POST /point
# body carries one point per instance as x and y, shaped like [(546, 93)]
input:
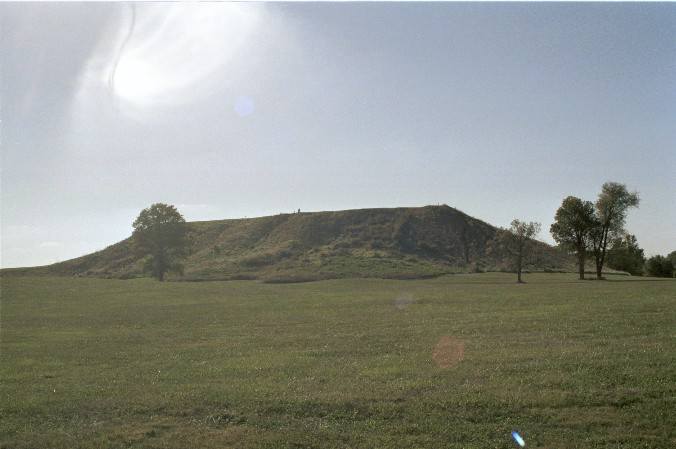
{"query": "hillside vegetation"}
[(385, 243)]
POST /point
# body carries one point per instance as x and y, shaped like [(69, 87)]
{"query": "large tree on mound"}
[(160, 234), (572, 228), (517, 242), (611, 213)]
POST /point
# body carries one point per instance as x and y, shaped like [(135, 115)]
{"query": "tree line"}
[(589, 230)]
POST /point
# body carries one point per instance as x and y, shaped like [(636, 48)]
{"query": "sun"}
[(138, 81), (168, 53)]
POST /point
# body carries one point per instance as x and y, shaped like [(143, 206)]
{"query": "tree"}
[(517, 242), (574, 222), (160, 233), (611, 213), (659, 266), (624, 254), (672, 257)]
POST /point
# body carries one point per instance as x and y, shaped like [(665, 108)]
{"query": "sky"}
[(231, 110)]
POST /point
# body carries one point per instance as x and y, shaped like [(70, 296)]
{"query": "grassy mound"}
[(399, 243)]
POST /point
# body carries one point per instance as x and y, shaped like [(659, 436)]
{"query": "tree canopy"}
[(160, 234), (573, 223), (625, 255), (672, 257), (610, 215), (660, 266)]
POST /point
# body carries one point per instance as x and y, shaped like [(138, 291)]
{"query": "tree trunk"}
[(601, 256), (160, 265), (518, 268), (580, 262)]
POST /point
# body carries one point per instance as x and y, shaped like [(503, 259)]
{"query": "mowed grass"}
[(92, 363)]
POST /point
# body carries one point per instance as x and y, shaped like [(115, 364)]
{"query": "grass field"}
[(338, 364)]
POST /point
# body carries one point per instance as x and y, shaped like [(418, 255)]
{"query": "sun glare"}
[(168, 54)]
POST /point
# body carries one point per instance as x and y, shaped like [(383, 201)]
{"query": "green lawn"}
[(338, 364)]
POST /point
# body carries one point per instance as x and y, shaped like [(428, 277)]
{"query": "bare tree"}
[(517, 242)]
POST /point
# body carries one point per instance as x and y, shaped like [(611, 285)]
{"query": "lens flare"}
[(518, 438), (244, 106)]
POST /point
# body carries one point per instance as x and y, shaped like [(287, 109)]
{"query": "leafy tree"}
[(660, 266), (625, 254), (517, 242), (611, 213), (574, 222), (672, 257), (160, 233)]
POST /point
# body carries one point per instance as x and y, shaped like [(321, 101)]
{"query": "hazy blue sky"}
[(233, 110)]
